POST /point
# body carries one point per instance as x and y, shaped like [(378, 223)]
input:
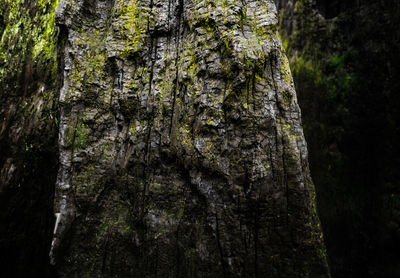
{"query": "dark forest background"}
[(345, 59)]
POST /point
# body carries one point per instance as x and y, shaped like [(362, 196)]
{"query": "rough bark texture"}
[(181, 151), (181, 147)]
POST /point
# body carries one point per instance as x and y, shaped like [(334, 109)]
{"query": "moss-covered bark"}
[(181, 146), (181, 151)]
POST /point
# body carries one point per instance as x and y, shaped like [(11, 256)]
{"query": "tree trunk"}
[(181, 148)]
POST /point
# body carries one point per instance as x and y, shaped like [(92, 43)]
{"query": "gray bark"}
[(181, 147)]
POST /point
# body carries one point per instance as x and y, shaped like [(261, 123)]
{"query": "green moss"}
[(285, 70), (133, 22), (287, 97), (27, 40), (81, 136)]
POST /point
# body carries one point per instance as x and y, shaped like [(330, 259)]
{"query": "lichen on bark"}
[(181, 147)]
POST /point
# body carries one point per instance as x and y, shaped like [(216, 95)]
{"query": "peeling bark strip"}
[(181, 147)]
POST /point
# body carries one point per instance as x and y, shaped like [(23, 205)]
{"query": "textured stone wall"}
[(181, 147)]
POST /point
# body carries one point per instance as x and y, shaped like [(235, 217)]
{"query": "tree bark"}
[(181, 149)]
